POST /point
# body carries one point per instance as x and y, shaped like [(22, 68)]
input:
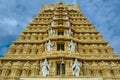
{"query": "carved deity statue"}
[(52, 23), (22, 36), (95, 68), (19, 49), (69, 32), (87, 69), (54, 17), (68, 23), (27, 37), (34, 49), (45, 36), (15, 69), (40, 36), (26, 69), (76, 68), (26, 49), (45, 68), (35, 68), (115, 69), (66, 17), (40, 48), (72, 46), (6, 69), (12, 49), (49, 46), (105, 69), (51, 32), (34, 36)]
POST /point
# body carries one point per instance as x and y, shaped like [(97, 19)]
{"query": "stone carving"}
[(105, 69), (51, 32), (65, 13), (80, 49), (67, 18), (6, 69), (45, 68), (40, 48), (95, 48), (103, 51), (16, 69), (72, 46), (80, 36), (22, 36), (69, 32), (115, 69), (19, 49), (45, 36), (26, 49), (86, 48), (109, 49), (27, 37), (54, 17), (99, 37), (12, 49), (52, 23), (87, 36), (87, 69), (1, 68), (40, 36), (95, 68), (26, 69), (76, 68), (49, 46), (75, 35), (68, 23), (34, 36), (93, 37), (34, 49), (35, 68)]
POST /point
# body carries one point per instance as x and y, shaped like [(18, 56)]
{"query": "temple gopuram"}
[(60, 44)]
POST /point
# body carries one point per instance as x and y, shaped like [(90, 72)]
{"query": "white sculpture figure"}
[(65, 12), (68, 23), (72, 46), (54, 17), (51, 32), (52, 24), (67, 18), (49, 46), (76, 68), (70, 33), (45, 68)]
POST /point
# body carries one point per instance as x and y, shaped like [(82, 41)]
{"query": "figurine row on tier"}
[(51, 45), (37, 68)]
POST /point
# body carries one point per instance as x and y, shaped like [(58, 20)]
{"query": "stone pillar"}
[(86, 69), (70, 68), (40, 72), (67, 68), (52, 68)]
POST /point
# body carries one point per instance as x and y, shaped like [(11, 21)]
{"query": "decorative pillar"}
[(53, 68), (70, 68)]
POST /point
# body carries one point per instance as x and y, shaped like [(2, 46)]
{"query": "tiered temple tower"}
[(60, 43)]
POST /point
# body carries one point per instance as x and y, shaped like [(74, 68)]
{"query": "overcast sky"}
[(15, 15)]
